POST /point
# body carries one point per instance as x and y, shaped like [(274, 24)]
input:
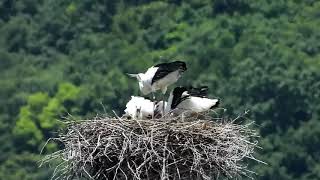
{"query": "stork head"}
[(177, 95), (179, 91)]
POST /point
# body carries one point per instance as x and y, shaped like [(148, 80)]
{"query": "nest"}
[(169, 148)]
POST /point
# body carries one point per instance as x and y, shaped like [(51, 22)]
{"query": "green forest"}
[(70, 57)]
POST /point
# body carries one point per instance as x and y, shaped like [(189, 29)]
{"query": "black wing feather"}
[(198, 92), (191, 91), (177, 99), (165, 68)]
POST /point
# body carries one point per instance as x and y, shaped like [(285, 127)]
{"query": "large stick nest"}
[(171, 148)]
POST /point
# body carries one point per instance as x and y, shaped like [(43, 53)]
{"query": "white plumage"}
[(195, 104), (182, 100), (139, 108), (145, 80)]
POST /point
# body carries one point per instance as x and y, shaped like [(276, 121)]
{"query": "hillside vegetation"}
[(60, 57)]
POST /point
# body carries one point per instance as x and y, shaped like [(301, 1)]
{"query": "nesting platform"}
[(168, 148)]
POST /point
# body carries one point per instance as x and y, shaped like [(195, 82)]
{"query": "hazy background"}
[(71, 56)]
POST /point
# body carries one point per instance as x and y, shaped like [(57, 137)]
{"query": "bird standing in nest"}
[(159, 77)]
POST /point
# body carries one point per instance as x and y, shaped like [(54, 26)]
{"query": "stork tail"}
[(133, 75)]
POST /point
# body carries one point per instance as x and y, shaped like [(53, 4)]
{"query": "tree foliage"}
[(59, 57)]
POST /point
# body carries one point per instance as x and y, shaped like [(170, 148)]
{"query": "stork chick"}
[(139, 108)]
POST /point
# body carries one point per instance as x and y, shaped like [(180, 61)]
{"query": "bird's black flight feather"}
[(191, 91), (198, 92), (177, 96), (165, 68)]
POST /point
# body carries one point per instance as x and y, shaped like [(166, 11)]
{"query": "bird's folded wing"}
[(177, 100), (164, 69)]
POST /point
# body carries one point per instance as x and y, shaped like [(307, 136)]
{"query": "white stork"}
[(160, 76), (190, 99), (139, 108)]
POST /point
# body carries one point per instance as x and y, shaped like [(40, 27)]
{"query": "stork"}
[(160, 76), (139, 108), (190, 99)]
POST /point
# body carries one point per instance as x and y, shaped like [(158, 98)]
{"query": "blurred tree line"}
[(60, 57)]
